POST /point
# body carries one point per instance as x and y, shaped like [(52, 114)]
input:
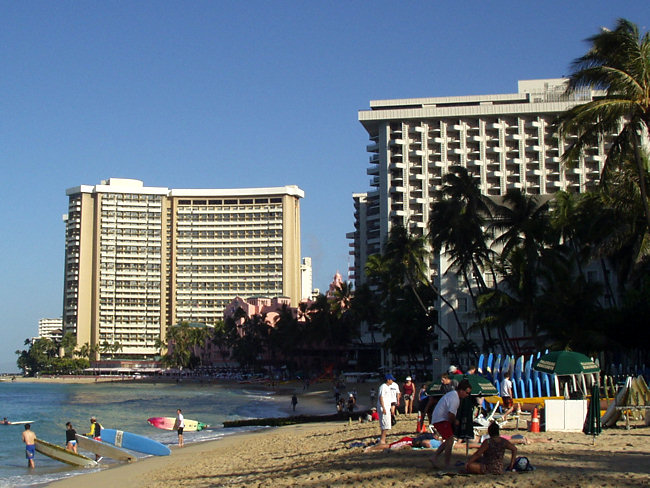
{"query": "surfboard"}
[(134, 442), (519, 367), (19, 422), (522, 388), (529, 389), (103, 449), (496, 367), (167, 423), (547, 385), (528, 368), (556, 381), (61, 454), (611, 415), (538, 388), (490, 359), (479, 367)]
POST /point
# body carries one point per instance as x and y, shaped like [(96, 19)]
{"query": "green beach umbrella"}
[(480, 385), (465, 417), (593, 426), (565, 363)]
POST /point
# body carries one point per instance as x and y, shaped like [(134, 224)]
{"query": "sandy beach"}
[(322, 455)]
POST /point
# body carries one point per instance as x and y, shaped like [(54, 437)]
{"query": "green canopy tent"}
[(480, 385), (567, 363)]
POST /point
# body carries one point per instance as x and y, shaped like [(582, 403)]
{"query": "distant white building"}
[(306, 279), (50, 328)]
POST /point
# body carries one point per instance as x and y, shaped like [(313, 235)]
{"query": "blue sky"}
[(235, 94)]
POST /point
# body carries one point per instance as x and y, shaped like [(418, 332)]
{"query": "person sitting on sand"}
[(488, 459)]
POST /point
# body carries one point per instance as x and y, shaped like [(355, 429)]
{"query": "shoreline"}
[(331, 454), (328, 454)]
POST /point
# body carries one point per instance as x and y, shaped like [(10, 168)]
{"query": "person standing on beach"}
[(444, 419), (30, 448), (383, 406), (179, 425), (70, 438), (506, 395), (409, 395), (294, 401)]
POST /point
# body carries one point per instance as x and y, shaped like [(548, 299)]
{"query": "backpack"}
[(522, 464)]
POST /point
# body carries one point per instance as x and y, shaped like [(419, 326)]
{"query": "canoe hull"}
[(61, 454), (103, 449)]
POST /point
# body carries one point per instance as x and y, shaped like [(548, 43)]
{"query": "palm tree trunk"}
[(642, 174), (608, 284)]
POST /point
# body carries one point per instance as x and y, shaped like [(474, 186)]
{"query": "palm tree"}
[(407, 256), (456, 227), (619, 63)]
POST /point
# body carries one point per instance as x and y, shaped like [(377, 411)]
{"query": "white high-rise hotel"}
[(139, 259), (505, 141)]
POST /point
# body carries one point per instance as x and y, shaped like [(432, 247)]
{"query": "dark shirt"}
[(70, 435)]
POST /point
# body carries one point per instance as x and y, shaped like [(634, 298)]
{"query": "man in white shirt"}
[(179, 425), (444, 419), (383, 407), (397, 396)]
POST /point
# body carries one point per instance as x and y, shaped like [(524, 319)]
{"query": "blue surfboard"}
[(547, 385), (496, 367), (531, 391), (479, 368), (529, 368), (522, 388), (515, 390), (134, 442), (519, 367), (505, 366), (538, 387), (489, 363)]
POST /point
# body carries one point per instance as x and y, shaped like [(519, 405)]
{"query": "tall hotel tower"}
[(505, 141), (139, 259)]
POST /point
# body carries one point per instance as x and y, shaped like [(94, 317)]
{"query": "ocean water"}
[(123, 406)]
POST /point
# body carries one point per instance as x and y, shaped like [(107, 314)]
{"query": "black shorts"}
[(180, 431)]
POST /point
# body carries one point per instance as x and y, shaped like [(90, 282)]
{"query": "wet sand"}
[(331, 455)]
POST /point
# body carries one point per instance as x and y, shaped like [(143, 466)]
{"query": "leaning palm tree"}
[(619, 63)]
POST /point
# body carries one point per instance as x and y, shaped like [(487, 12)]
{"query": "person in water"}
[(4, 421), (70, 438), (95, 433), (29, 438)]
